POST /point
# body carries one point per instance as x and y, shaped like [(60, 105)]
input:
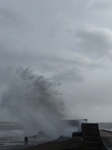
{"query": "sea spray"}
[(33, 100)]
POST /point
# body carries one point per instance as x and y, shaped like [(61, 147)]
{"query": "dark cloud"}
[(94, 42), (71, 75), (9, 17)]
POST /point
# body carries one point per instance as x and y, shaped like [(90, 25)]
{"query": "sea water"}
[(12, 136)]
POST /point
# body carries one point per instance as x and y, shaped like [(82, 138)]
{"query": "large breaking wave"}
[(34, 101)]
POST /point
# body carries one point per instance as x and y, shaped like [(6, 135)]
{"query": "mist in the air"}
[(34, 101)]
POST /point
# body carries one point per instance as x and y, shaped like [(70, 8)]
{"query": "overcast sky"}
[(69, 41)]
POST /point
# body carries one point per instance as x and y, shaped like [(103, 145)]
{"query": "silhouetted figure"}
[(26, 140)]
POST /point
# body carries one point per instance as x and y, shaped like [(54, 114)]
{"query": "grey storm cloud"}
[(70, 75), (10, 17), (15, 38), (66, 41), (95, 42)]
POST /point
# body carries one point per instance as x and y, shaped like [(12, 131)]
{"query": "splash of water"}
[(33, 100)]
